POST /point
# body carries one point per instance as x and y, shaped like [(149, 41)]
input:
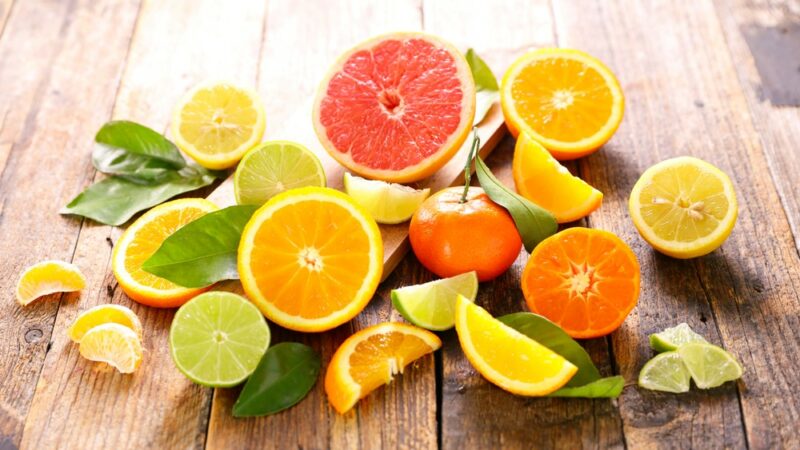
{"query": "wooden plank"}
[(80, 404), (5, 10), (48, 107), (684, 98)]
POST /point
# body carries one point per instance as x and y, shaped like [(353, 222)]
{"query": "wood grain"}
[(5, 10)]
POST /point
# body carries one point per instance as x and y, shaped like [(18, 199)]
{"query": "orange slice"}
[(506, 357), (370, 358), (310, 259), (544, 181), (142, 239), (565, 99), (584, 280), (48, 277)]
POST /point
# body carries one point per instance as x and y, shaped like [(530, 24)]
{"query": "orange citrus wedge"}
[(565, 99), (142, 239), (310, 259), (544, 181), (370, 358), (48, 277), (506, 357)]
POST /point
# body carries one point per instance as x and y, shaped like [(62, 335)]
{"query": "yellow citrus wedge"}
[(565, 99), (142, 239), (310, 258), (543, 180), (370, 358), (48, 277), (104, 314), (217, 123), (684, 207), (113, 344), (506, 357)]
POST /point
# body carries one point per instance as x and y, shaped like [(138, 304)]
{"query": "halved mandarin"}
[(370, 358), (584, 280), (310, 259)]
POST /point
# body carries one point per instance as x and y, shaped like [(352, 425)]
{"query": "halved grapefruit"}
[(396, 107)]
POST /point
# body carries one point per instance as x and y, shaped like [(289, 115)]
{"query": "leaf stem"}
[(473, 151)]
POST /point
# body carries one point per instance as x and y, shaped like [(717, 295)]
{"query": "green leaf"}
[(285, 375), (140, 140), (487, 91), (133, 167), (553, 337), (203, 251), (610, 387), (534, 223)]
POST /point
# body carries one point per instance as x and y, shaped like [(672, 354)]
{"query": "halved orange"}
[(310, 259), (584, 280), (544, 181), (370, 358), (565, 99), (142, 239)]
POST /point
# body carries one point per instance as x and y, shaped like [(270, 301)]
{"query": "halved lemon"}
[(370, 358), (104, 314), (543, 180), (684, 207), (114, 344), (310, 258), (48, 277), (565, 99), (142, 239), (506, 357), (217, 123)]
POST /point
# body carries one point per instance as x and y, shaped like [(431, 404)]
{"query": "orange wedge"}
[(565, 99), (310, 259), (370, 358), (142, 239), (544, 181), (48, 277), (506, 357)]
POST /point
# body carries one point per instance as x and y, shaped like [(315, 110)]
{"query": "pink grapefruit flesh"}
[(396, 107)]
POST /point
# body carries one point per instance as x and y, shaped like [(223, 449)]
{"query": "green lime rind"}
[(432, 305), (710, 366), (672, 338), (274, 167), (218, 338), (387, 203), (666, 373)]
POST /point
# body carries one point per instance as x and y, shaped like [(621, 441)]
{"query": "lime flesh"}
[(274, 167), (709, 365), (672, 338), (387, 203), (666, 372), (218, 338), (432, 305)]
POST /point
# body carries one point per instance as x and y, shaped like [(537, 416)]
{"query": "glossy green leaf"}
[(203, 251), (140, 140), (133, 167), (534, 223), (609, 387), (285, 375), (487, 91)]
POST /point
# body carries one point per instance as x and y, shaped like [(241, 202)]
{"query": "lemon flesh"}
[(387, 203)]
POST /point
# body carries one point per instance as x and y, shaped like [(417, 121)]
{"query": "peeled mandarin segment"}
[(102, 314), (584, 280), (113, 344), (543, 180), (48, 277)]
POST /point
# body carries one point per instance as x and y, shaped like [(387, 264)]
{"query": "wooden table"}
[(717, 79)]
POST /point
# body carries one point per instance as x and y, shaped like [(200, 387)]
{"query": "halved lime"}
[(666, 372), (218, 338), (432, 305), (709, 365), (672, 338), (274, 167), (388, 203)]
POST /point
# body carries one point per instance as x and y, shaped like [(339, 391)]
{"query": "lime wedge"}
[(709, 365), (274, 167), (218, 338), (432, 305), (666, 372), (672, 338), (388, 203)]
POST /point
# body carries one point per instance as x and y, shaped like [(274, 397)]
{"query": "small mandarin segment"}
[(311, 259), (113, 344), (371, 358), (101, 314), (543, 180), (48, 277), (584, 280)]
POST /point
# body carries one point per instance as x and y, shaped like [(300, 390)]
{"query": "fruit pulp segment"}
[(275, 168), (218, 119), (379, 357), (49, 278)]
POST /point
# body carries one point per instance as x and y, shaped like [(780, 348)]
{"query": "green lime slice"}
[(274, 167), (709, 365), (672, 338), (666, 372), (218, 338), (388, 203), (432, 305)]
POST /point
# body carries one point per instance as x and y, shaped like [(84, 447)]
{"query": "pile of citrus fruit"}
[(395, 109)]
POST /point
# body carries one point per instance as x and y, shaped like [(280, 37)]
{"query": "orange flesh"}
[(380, 356)]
